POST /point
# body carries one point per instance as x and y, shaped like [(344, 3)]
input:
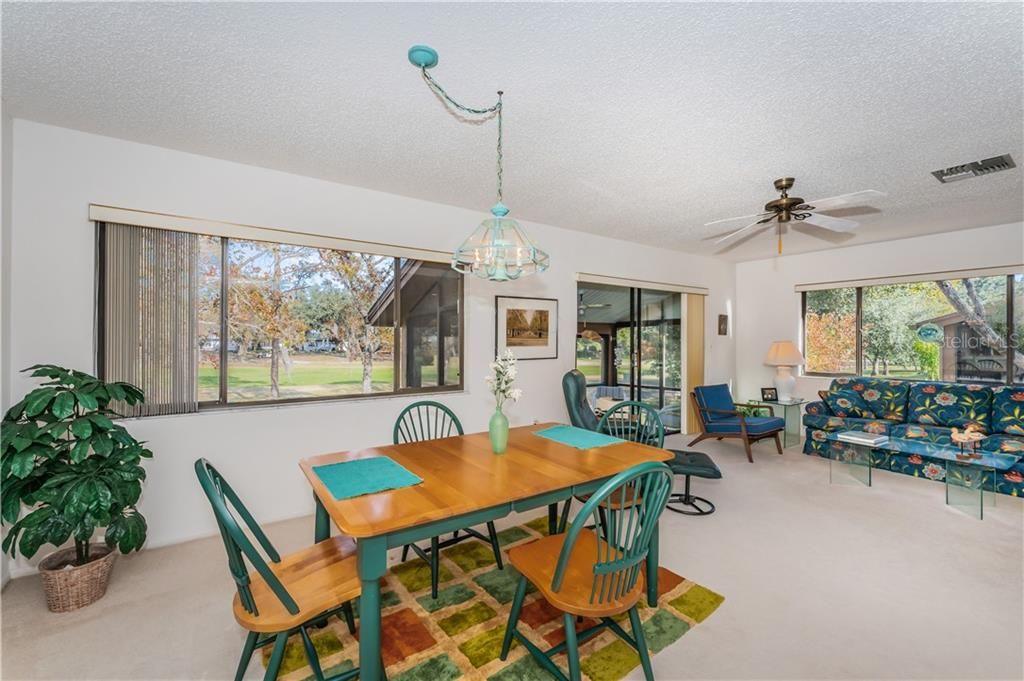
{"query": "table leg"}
[(792, 426), (322, 522), (372, 559), (553, 518), (652, 569)]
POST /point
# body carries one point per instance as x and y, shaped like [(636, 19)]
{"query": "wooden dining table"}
[(464, 484)]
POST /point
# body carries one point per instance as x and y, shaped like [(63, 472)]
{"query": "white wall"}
[(6, 150), (769, 309), (59, 172)]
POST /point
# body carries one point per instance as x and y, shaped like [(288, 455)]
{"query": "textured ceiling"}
[(635, 121)]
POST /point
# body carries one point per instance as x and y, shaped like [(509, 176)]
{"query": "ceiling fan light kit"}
[(788, 208), (498, 249)]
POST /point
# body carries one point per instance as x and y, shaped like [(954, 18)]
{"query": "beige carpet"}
[(822, 582)]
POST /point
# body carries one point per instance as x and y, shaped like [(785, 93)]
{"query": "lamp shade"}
[(784, 354), (499, 250)]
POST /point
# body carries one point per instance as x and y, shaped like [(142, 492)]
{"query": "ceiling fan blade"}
[(843, 200), (831, 223), (730, 235), (742, 217)]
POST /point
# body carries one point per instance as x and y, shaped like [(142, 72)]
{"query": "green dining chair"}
[(583, 574), (428, 420), (282, 595), (632, 421)]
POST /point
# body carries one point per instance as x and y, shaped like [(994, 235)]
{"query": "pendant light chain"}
[(436, 88), (498, 249)]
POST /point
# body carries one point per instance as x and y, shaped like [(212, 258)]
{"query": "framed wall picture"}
[(723, 325), (769, 395), (526, 326)]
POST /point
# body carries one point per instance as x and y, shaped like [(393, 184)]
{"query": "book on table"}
[(861, 438)]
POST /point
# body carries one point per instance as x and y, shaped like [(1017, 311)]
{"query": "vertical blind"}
[(149, 280)]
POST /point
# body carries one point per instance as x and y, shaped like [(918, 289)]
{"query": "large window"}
[(830, 328), (272, 322), (950, 329)]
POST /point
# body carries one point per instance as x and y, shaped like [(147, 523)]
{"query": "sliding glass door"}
[(629, 345)]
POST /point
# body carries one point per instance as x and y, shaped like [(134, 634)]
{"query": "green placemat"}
[(348, 479), (580, 438)]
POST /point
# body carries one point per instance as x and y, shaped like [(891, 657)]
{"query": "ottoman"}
[(690, 464)]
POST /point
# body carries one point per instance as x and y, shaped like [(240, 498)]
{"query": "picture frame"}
[(723, 325), (769, 395), (526, 326)]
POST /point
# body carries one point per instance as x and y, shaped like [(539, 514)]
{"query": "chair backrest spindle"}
[(425, 420), (634, 421), (226, 504), (627, 508)]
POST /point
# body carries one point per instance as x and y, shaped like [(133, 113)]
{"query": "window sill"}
[(246, 407)]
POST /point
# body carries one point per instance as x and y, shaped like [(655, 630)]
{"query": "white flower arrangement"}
[(502, 378)]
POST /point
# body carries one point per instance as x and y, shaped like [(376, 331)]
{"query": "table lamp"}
[(784, 355)]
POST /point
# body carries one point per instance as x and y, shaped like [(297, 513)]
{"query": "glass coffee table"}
[(791, 412), (966, 471)]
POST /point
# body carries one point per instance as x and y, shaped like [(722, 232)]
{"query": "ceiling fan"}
[(589, 334), (787, 208)]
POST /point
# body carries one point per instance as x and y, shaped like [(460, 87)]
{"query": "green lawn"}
[(310, 376)]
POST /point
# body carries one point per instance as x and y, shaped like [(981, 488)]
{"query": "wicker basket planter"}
[(68, 586)]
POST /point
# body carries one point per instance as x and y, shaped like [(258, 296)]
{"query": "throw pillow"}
[(847, 403)]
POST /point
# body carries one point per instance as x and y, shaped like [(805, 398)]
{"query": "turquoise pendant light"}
[(498, 250)]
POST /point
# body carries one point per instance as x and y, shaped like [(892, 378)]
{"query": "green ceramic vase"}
[(498, 429)]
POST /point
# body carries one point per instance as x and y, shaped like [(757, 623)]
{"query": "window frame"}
[(859, 365), (222, 402)]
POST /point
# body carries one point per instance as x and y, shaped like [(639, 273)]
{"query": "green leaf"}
[(79, 451), (10, 507), (15, 412), (116, 391), (63, 405), (87, 401), (101, 444), (82, 427), (101, 421), (127, 531), (57, 531), (31, 540), (9, 540), (38, 400), (85, 528), (22, 464)]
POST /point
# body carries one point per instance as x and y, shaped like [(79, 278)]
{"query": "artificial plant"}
[(63, 457)]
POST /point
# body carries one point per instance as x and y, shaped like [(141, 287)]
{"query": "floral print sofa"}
[(923, 413)]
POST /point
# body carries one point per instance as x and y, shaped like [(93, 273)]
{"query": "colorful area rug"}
[(458, 635)]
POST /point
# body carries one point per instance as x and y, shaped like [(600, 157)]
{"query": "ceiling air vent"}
[(974, 169)]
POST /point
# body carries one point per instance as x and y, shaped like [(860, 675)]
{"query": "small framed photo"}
[(526, 326), (723, 325), (769, 395)]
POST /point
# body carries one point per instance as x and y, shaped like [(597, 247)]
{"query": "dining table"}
[(464, 483)]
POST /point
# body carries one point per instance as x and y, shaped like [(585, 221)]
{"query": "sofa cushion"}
[(935, 435), (715, 397), (833, 423), (1008, 410), (756, 425), (951, 404), (817, 408), (1007, 444), (846, 403), (887, 398)]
